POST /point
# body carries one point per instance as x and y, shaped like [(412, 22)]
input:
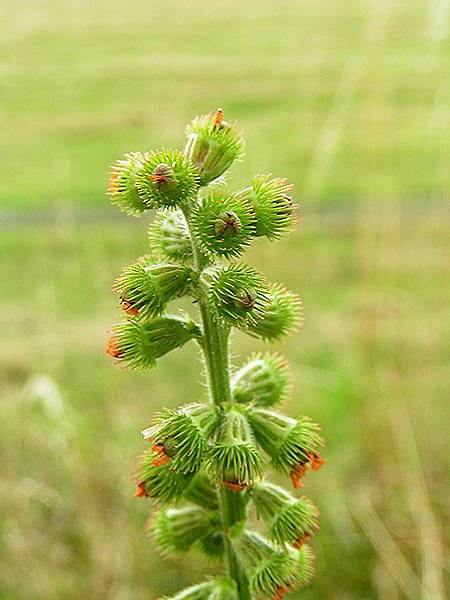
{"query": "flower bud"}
[(291, 444), (176, 530), (169, 237), (145, 287), (180, 436), (269, 567), (212, 145), (138, 344), (262, 380), (215, 589), (166, 179), (282, 317), (159, 482), (234, 457), (272, 205), (288, 519), (121, 184), (224, 224), (238, 294)]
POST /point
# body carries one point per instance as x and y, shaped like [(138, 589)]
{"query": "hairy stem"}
[(215, 346)]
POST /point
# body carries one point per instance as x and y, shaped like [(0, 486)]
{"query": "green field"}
[(350, 101)]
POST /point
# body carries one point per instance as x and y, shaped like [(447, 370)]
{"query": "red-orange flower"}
[(296, 475), (302, 540), (315, 460), (235, 486), (112, 348), (161, 458), (141, 491), (131, 310), (280, 592), (218, 117)]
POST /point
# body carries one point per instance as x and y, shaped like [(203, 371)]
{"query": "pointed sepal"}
[(169, 237), (292, 444), (212, 145), (273, 207), (122, 188), (180, 436), (283, 315), (289, 520), (238, 294), (137, 345), (145, 287), (214, 589), (263, 380), (234, 457), (167, 179)]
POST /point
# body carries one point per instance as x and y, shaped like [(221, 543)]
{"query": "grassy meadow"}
[(347, 99)]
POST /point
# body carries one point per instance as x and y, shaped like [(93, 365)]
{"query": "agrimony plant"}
[(206, 463)]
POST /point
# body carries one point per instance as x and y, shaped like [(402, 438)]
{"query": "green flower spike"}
[(167, 179), (137, 344), (263, 380), (180, 436), (121, 185), (159, 482), (234, 457), (145, 287), (212, 145), (169, 237), (238, 294), (272, 205), (224, 224), (176, 530), (215, 589), (283, 316), (288, 519), (291, 444), (270, 568)]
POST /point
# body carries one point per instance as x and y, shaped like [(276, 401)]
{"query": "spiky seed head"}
[(237, 293), (212, 145), (202, 491), (146, 286), (289, 442), (167, 179), (169, 237), (181, 435), (159, 482), (288, 519), (267, 565), (137, 344), (176, 530), (273, 206), (282, 317), (263, 380), (304, 570), (215, 589), (224, 224), (122, 184), (234, 457)]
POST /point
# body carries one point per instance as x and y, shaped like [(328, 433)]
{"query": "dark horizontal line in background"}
[(66, 214)]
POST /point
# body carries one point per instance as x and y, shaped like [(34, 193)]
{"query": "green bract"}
[(167, 179), (282, 316), (212, 145), (272, 205), (122, 184), (138, 344), (224, 224), (205, 462), (238, 294), (262, 380), (145, 287), (169, 236)]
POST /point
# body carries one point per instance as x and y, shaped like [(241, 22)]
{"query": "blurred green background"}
[(350, 101)]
